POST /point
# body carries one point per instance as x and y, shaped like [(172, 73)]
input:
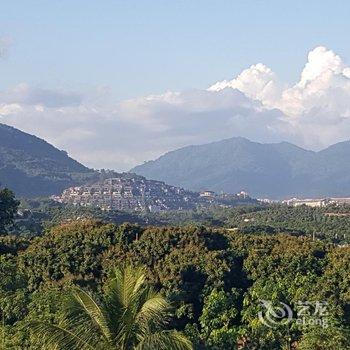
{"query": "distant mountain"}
[(32, 167), (264, 170)]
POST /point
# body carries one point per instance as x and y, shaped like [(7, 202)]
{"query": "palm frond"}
[(154, 310), (130, 316), (129, 281), (165, 340), (54, 337), (95, 312)]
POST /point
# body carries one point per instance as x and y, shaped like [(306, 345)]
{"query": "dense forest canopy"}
[(223, 271), (8, 208), (214, 279)]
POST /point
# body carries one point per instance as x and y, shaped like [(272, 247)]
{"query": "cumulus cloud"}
[(313, 112), (317, 106), (8, 109), (324, 88), (258, 82)]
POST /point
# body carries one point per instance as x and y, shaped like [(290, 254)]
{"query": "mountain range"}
[(275, 170), (32, 167)]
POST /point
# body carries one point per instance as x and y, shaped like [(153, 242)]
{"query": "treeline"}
[(331, 223), (215, 280)]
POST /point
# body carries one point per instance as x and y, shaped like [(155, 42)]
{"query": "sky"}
[(116, 83)]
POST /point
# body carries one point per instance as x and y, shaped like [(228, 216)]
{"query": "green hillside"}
[(264, 170), (32, 167)]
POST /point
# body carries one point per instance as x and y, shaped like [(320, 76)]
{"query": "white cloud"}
[(122, 135), (313, 112), (8, 109), (132, 131), (317, 106), (257, 82), (320, 61), (324, 86)]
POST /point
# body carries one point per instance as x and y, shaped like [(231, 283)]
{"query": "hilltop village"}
[(128, 192)]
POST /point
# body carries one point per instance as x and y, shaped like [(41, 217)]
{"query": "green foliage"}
[(219, 326), (72, 252), (331, 223), (326, 339), (8, 209), (215, 278), (130, 316), (13, 293)]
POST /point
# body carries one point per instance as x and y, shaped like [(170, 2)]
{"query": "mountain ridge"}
[(32, 167), (273, 170)]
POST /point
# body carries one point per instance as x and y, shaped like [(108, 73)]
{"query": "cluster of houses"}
[(213, 195), (129, 194), (316, 202), (136, 193)]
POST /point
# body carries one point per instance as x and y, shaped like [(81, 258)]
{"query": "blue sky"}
[(116, 83), (142, 47)]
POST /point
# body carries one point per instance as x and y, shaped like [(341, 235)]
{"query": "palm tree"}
[(130, 315)]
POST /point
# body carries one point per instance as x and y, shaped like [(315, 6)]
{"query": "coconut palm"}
[(131, 315)]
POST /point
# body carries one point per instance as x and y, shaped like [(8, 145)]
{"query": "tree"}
[(8, 208), (217, 321), (331, 338), (130, 315)]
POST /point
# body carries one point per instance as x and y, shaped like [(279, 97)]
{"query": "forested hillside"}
[(264, 170), (31, 167)]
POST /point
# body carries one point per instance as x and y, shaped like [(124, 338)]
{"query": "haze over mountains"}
[(276, 170)]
